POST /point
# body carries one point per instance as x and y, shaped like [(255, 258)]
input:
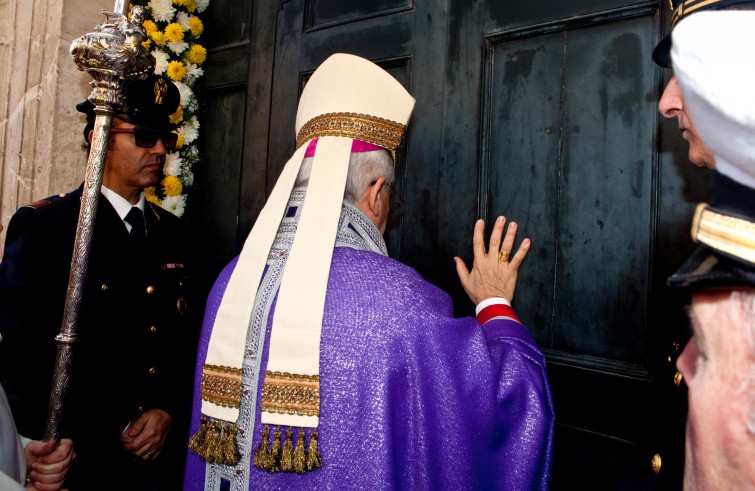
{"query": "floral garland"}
[(173, 28)]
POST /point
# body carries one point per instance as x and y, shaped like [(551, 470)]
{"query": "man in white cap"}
[(672, 103), (325, 364), (714, 62)]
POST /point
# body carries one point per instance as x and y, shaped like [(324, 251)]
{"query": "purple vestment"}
[(411, 398)]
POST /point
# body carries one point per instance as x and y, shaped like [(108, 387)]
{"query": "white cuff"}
[(491, 301)]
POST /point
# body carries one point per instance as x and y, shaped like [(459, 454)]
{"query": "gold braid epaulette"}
[(378, 131)]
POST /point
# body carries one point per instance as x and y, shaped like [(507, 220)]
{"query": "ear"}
[(373, 197), (89, 136)]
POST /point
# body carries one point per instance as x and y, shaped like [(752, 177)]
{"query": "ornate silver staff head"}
[(112, 54)]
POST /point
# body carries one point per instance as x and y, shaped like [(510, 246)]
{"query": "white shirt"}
[(122, 206)]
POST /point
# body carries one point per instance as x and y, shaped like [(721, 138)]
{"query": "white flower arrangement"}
[(173, 28)]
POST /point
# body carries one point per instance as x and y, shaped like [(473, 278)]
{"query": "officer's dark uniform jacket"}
[(138, 329)]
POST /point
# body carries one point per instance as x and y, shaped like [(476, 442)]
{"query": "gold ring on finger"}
[(503, 257)]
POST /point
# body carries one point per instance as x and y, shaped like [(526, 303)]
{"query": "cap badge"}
[(161, 88)]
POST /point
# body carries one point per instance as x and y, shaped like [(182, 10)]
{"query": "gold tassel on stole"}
[(299, 458), (285, 456), (215, 442), (263, 458), (276, 450), (314, 459)]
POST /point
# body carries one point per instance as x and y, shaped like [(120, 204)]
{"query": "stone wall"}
[(40, 130)]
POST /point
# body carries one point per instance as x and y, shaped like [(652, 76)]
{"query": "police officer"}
[(131, 377), (713, 61)]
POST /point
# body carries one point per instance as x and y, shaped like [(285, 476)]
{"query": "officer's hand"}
[(145, 436)]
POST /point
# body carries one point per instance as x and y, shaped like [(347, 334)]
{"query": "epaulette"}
[(43, 203), (153, 207)]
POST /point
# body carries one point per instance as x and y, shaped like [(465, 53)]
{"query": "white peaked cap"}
[(713, 57)]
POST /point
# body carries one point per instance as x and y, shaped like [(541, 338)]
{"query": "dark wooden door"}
[(541, 111)]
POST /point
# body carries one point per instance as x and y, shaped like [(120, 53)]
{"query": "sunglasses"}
[(147, 138)]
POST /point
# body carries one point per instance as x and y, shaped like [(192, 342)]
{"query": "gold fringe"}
[(287, 457), (214, 444), (314, 459), (263, 458), (229, 448), (198, 442), (299, 458), (276, 463)]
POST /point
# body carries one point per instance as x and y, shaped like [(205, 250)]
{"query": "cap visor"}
[(662, 52), (706, 269)]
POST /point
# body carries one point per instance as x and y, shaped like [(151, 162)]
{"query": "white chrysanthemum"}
[(183, 20), (194, 122), (178, 47), (161, 61), (162, 10), (189, 130), (175, 204), (187, 177), (190, 151), (193, 72), (173, 164), (202, 5), (188, 100)]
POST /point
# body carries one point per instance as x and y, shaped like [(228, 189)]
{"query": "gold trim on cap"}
[(732, 235), (686, 8), (378, 131)]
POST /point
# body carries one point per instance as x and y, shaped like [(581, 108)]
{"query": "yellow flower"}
[(176, 71), (181, 141), (149, 26), (174, 32), (195, 25), (149, 194), (172, 186), (158, 37), (191, 5), (179, 2), (146, 44), (196, 54), (177, 116)]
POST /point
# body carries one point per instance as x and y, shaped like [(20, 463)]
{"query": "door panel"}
[(571, 158)]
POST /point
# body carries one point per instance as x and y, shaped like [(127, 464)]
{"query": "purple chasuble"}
[(411, 398)]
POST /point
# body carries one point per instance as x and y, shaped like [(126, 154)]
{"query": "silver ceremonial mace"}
[(112, 54)]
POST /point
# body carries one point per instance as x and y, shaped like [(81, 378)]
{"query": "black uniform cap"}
[(149, 103), (715, 264)]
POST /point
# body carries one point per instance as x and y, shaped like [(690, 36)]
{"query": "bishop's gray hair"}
[(364, 169)]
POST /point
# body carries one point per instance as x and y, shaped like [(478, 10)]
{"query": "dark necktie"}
[(138, 233)]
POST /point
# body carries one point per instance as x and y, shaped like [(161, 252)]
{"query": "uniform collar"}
[(121, 204)]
